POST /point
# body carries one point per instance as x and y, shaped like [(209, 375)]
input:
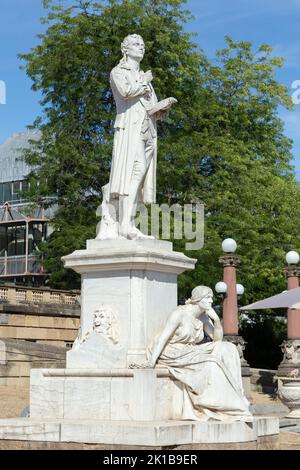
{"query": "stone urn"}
[(289, 394)]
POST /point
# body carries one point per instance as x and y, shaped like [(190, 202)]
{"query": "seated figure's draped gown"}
[(210, 371)]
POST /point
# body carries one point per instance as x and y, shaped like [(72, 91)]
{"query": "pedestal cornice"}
[(119, 255)]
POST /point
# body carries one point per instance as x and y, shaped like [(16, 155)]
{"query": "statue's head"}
[(133, 46), (102, 319), (201, 295), (105, 323)]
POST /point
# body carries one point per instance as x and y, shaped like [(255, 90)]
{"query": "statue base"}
[(138, 408), (191, 435), (114, 395), (128, 290)]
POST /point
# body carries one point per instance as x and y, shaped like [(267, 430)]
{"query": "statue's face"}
[(101, 319), (97, 318), (206, 302), (136, 49)]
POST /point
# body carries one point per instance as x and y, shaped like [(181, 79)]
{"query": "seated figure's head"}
[(133, 46), (201, 295)]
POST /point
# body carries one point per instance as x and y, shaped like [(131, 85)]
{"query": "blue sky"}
[(275, 22)]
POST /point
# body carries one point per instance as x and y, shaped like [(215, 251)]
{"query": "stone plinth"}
[(156, 434), (113, 395), (134, 285)]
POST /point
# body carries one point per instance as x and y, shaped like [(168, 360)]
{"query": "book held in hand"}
[(163, 105)]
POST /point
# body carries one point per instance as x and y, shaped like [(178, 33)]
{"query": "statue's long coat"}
[(127, 87)]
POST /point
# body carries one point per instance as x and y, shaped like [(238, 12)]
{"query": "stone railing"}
[(19, 294)]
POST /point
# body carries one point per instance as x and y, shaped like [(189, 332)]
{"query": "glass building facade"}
[(11, 191), (20, 234)]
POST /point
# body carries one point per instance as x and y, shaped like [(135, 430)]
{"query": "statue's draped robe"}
[(127, 87), (210, 371)]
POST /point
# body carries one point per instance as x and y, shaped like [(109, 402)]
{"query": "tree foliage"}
[(264, 335), (224, 144)]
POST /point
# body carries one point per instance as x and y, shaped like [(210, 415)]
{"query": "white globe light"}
[(229, 245), (221, 287), (240, 289), (292, 257)]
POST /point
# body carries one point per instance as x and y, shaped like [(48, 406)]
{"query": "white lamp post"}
[(292, 258), (229, 245), (240, 289), (221, 289)]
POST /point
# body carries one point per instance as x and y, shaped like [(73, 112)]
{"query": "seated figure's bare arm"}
[(168, 331), (212, 325), (171, 326)]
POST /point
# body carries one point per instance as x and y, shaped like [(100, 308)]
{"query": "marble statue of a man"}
[(133, 169)]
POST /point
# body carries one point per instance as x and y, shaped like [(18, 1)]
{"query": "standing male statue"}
[(133, 169)]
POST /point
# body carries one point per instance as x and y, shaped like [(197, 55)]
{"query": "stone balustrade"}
[(42, 295)]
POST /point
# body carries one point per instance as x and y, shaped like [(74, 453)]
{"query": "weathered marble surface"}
[(117, 394), (137, 281), (131, 433)]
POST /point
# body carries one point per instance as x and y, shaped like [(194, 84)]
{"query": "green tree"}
[(223, 145), (245, 178), (71, 68)]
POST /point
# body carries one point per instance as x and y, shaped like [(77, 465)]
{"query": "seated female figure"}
[(210, 371)]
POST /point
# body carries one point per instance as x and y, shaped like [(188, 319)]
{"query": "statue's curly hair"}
[(126, 41)]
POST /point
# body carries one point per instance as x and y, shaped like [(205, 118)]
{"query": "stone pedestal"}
[(128, 290), (141, 435), (133, 287), (107, 394)]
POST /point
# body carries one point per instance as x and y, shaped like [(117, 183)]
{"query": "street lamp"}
[(230, 261), (291, 346), (292, 258), (292, 272), (221, 289), (229, 245), (230, 308), (240, 289)]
